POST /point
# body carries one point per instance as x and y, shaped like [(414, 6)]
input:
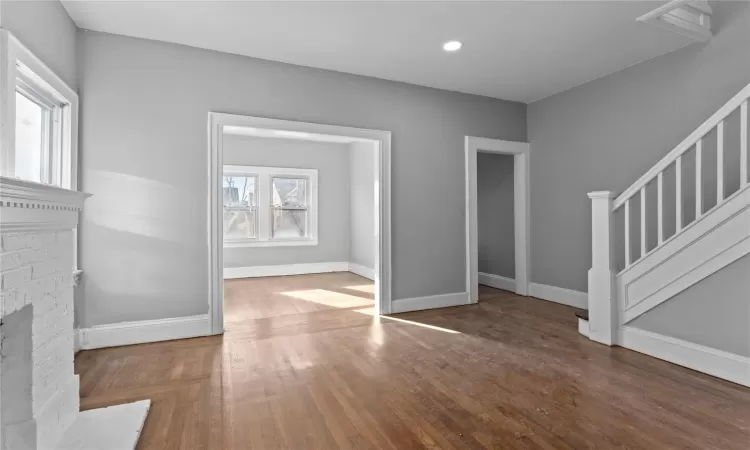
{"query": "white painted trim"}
[(520, 152), (556, 294), (263, 184), (710, 243), (382, 142), (583, 327), (76, 340), (721, 364), (430, 302), (685, 145), (496, 281), (283, 270), (362, 271), (13, 53), (127, 333)]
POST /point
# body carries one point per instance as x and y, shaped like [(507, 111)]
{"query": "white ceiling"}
[(521, 51)]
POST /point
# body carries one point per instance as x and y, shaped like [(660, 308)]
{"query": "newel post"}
[(602, 286)]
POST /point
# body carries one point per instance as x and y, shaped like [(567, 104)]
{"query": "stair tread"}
[(582, 314)]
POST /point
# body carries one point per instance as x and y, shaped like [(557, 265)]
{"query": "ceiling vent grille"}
[(691, 18)]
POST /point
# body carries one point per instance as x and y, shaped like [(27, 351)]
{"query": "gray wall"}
[(605, 134), (714, 313), (495, 214), (143, 143), (362, 204), (45, 28), (332, 162)]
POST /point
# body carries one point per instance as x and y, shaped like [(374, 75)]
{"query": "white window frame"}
[(18, 65), (19, 68), (263, 205)]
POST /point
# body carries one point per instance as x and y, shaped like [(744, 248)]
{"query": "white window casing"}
[(22, 73), (269, 208)]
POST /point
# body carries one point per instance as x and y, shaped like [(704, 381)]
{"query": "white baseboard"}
[(555, 294), (721, 364), (76, 340), (126, 333), (430, 302), (286, 269), (496, 281), (583, 327), (362, 271)]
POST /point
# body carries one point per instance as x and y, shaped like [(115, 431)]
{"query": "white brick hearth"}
[(39, 391)]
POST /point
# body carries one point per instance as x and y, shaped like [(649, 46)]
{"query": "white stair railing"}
[(602, 276)]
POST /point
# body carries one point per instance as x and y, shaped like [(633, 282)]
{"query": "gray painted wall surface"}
[(605, 134), (495, 214), (45, 28), (332, 162), (362, 204), (714, 313), (143, 238)]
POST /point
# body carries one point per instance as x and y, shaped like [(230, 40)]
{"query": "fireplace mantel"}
[(29, 206)]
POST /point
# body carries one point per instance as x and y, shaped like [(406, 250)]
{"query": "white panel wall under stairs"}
[(711, 243)]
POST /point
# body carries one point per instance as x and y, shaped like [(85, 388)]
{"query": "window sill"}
[(291, 243)]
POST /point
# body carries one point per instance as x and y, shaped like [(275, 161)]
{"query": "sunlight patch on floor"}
[(371, 311), (329, 298), (366, 288)]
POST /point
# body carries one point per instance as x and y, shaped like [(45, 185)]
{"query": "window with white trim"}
[(269, 206), (39, 130), (40, 137)]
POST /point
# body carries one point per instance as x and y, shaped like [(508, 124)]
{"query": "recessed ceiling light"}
[(452, 46)]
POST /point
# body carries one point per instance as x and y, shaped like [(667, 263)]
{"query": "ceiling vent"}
[(691, 18)]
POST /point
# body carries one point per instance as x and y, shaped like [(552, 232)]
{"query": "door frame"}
[(382, 143), (520, 152)]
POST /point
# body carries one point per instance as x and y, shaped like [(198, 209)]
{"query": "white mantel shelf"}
[(29, 206), (18, 193)]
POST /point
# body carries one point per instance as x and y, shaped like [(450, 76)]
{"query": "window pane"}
[(289, 223), (239, 224), (289, 192), (30, 139), (239, 190)]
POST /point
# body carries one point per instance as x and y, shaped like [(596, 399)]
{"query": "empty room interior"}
[(374, 225)]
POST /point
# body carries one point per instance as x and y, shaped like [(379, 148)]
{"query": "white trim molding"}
[(381, 141), (139, 332), (18, 62), (520, 152), (430, 302), (496, 281), (707, 245), (362, 271), (721, 364), (263, 179), (560, 295), (583, 327), (231, 273), (284, 270)]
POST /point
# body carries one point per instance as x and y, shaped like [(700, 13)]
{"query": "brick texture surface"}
[(36, 303)]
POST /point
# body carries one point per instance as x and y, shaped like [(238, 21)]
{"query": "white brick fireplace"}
[(39, 391)]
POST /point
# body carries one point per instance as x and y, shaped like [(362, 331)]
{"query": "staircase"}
[(640, 261)]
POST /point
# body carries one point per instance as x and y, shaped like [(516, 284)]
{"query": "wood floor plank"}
[(304, 365)]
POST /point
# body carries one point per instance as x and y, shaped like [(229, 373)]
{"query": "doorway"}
[(293, 224), (520, 153)]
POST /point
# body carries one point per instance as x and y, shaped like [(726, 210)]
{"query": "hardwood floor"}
[(304, 365)]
